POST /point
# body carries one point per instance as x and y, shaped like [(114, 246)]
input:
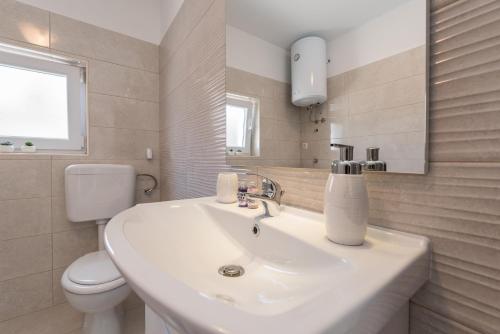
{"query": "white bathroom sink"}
[(295, 280)]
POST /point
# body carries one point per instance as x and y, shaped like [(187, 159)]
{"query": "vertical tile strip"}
[(192, 101)]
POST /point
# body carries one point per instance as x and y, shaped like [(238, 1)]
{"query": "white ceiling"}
[(281, 22), (143, 19)]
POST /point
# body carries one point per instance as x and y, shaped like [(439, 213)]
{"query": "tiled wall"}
[(457, 205), (192, 100), (37, 242), (279, 119), (382, 104)]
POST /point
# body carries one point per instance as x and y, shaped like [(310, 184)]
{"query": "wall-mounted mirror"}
[(302, 75)]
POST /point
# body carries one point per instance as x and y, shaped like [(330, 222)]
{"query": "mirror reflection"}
[(304, 76)]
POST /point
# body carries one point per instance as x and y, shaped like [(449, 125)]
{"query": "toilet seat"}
[(91, 274)]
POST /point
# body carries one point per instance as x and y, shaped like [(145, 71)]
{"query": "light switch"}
[(149, 153)]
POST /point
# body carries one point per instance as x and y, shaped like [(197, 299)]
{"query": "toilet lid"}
[(92, 269)]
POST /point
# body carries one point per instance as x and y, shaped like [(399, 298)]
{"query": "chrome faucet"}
[(271, 196)]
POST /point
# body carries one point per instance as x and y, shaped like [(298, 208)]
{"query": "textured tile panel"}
[(188, 17), (425, 321), (465, 85), (202, 43), (192, 107)]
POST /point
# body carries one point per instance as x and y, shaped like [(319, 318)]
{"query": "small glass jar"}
[(242, 194)]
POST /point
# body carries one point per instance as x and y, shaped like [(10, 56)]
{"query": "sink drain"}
[(231, 270)]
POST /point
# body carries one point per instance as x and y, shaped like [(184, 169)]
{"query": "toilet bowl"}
[(93, 285)]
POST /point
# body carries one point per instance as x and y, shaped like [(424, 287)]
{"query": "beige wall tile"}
[(112, 143), (58, 296), (24, 256), (111, 79), (24, 23), (397, 93), (25, 295), (24, 179), (70, 245), (251, 84), (72, 36), (24, 218), (117, 112), (59, 319), (403, 65), (408, 118)]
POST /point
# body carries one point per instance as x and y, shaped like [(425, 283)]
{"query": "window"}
[(42, 99), (241, 125)]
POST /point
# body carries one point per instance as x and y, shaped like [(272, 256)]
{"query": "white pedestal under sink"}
[(398, 324)]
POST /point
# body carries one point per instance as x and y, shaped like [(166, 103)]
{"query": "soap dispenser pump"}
[(346, 200)]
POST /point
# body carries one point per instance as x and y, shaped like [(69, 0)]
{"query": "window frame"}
[(75, 71), (252, 105)]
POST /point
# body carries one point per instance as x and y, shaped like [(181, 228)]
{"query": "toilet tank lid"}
[(99, 169)]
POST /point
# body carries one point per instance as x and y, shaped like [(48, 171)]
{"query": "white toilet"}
[(92, 284)]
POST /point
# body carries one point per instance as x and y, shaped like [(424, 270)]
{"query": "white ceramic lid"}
[(99, 169), (92, 269)]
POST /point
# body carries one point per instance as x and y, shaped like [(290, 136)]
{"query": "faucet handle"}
[(270, 188)]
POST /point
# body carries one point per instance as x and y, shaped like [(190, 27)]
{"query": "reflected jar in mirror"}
[(372, 163)]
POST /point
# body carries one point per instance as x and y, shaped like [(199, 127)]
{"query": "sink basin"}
[(294, 280)]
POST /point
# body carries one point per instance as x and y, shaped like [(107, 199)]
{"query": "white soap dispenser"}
[(346, 200)]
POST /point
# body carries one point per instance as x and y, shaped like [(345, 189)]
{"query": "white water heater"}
[(309, 68)]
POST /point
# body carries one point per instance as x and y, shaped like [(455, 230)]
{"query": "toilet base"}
[(107, 322)]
